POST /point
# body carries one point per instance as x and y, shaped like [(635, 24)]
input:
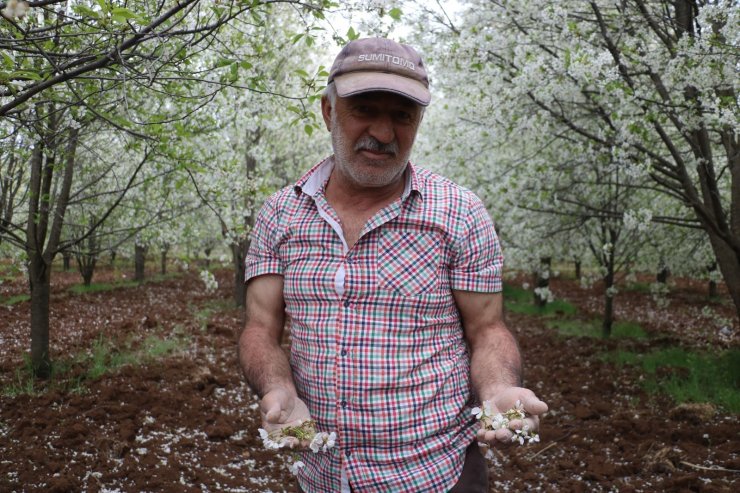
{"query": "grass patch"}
[(21, 384), (18, 298), (593, 329), (689, 376), (516, 294), (519, 300), (203, 313), (96, 287), (628, 330), (105, 357), (639, 287)]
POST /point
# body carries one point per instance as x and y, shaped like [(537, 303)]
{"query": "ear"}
[(326, 110)]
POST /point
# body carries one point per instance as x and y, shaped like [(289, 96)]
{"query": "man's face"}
[(372, 135)]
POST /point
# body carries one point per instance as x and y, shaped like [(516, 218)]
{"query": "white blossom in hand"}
[(304, 432), (496, 421)]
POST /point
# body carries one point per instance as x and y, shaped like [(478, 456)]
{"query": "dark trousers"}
[(474, 477)]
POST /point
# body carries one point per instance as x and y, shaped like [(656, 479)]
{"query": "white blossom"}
[(15, 9), (496, 421), (209, 280), (296, 466)]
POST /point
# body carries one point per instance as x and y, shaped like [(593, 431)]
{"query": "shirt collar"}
[(315, 179)]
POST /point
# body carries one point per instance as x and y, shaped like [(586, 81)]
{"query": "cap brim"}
[(360, 82)]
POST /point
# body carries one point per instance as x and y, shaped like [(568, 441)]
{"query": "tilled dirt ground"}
[(185, 421)]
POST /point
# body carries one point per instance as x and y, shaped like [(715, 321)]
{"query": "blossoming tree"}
[(137, 68), (649, 86)]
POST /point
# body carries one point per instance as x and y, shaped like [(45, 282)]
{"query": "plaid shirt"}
[(378, 351)]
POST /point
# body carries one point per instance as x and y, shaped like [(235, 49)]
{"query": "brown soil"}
[(186, 422)]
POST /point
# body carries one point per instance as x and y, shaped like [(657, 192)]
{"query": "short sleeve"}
[(262, 257), (477, 263)]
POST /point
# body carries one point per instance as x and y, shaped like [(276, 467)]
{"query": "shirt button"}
[(346, 303), (343, 404), (344, 352), (347, 452)]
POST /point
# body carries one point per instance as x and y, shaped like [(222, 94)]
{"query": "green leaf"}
[(296, 38), (352, 34), (302, 73), (103, 6), (121, 15), (7, 61), (308, 129), (24, 74), (395, 13), (124, 12), (85, 11), (223, 62)]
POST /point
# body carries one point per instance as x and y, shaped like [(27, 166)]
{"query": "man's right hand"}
[(281, 408)]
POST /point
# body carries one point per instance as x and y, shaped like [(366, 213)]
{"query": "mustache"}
[(369, 143)]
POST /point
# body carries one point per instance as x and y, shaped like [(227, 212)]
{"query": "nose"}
[(382, 128)]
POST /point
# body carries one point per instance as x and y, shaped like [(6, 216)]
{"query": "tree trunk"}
[(608, 320), (578, 269), (239, 249), (163, 260), (112, 258), (66, 257), (712, 283), (12, 178), (207, 251), (87, 255), (663, 274), (43, 231), (139, 262), (86, 262), (40, 276), (239, 253), (87, 276), (729, 265), (542, 281)]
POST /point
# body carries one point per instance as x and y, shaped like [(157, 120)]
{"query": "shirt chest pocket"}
[(408, 262)]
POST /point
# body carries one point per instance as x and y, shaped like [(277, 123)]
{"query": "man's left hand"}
[(504, 399)]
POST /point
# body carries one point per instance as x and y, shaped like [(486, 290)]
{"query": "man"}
[(390, 277)]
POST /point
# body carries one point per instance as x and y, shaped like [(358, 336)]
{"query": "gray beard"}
[(343, 161)]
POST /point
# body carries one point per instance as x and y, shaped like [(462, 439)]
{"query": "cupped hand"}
[(504, 399), (280, 409)]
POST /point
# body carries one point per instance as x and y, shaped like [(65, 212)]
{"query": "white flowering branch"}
[(209, 280), (305, 432)]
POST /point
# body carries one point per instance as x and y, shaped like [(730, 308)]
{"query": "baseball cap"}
[(380, 64)]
